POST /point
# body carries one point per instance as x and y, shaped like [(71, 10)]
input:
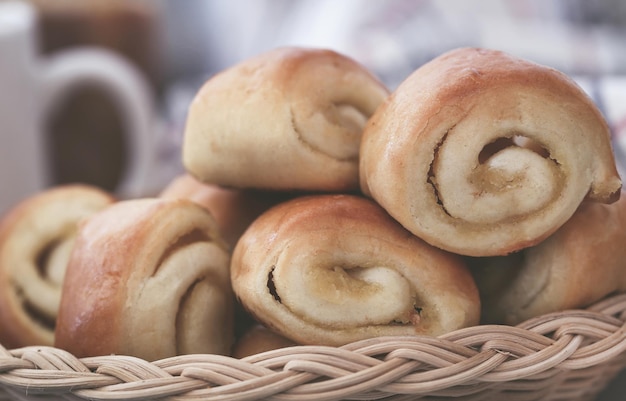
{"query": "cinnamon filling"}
[(271, 286), (432, 179)]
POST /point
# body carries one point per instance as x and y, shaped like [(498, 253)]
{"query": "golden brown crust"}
[(581, 263), (148, 278), (290, 118), (234, 209), (36, 238), (434, 154), (331, 269)]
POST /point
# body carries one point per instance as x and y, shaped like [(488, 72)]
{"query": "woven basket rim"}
[(464, 362)]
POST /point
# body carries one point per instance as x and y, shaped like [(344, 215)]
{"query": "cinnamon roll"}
[(147, 278), (290, 118), (258, 339), (233, 209), (581, 263), (482, 153), (332, 269), (36, 238)]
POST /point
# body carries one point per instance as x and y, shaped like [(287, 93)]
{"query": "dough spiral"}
[(147, 278), (581, 263), (332, 269), (287, 119), (233, 209), (481, 153), (36, 239)]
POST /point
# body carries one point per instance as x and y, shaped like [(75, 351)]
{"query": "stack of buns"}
[(320, 207)]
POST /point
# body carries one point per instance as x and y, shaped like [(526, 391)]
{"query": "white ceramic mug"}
[(32, 85)]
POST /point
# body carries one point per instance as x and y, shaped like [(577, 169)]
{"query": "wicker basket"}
[(571, 355)]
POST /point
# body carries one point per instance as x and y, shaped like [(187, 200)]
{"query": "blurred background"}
[(177, 45)]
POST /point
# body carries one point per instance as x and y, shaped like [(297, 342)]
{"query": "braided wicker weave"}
[(562, 356)]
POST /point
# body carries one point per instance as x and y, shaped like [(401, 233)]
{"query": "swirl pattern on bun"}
[(147, 278), (36, 239), (332, 269), (481, 153), (287, 119)]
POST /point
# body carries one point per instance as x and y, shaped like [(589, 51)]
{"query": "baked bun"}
[(258, 339), (481, 153), (36, 238), (147, 278), (583, 262), (233, 209), (287, 119), (333, 269)]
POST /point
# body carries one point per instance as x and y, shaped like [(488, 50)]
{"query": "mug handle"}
[(65, 70)]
